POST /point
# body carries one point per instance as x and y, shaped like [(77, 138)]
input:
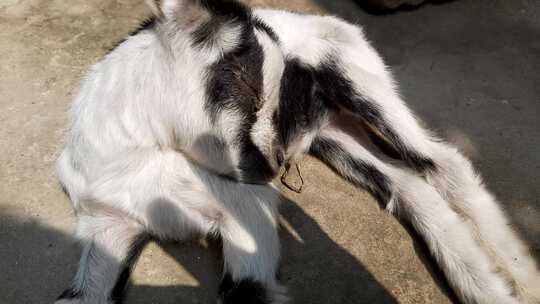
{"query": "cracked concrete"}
[(468, 68)]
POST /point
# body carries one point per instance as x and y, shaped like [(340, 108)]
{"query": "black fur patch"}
[(119, 289), (262, 26), (231, 13), (222, 12), (300, 107), (235, 84), (360, 174), (338, 89), (204, 35), (69, 293), (246, 291), (229, 9)]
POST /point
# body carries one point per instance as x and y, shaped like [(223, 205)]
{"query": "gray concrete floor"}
[(468, 68)]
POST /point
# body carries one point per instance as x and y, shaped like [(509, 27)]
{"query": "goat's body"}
[(126, 172)]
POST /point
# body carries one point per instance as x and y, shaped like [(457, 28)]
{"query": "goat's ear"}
[(189, 14)]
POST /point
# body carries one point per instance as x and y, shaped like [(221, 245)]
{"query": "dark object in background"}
[(390, 4)]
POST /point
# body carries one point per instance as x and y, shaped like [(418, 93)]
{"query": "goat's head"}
[(261, 118)]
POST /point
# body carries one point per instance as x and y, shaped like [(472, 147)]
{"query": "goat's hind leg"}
[(111, 244), (451, 174), (469, 268), (369, 96)]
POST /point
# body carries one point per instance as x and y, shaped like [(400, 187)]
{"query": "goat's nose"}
[(280, 157)]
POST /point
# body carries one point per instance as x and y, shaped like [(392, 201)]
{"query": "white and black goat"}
[(178, 132)]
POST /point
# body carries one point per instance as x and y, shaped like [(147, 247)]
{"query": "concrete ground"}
[(468, 68)]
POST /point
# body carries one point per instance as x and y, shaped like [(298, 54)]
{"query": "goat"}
[(179, 131)]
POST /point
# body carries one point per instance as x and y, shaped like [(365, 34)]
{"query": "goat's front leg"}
[(250, 245), (111, 244)]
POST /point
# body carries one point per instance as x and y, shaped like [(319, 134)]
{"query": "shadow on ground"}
[(56, 255), (371, 8)]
